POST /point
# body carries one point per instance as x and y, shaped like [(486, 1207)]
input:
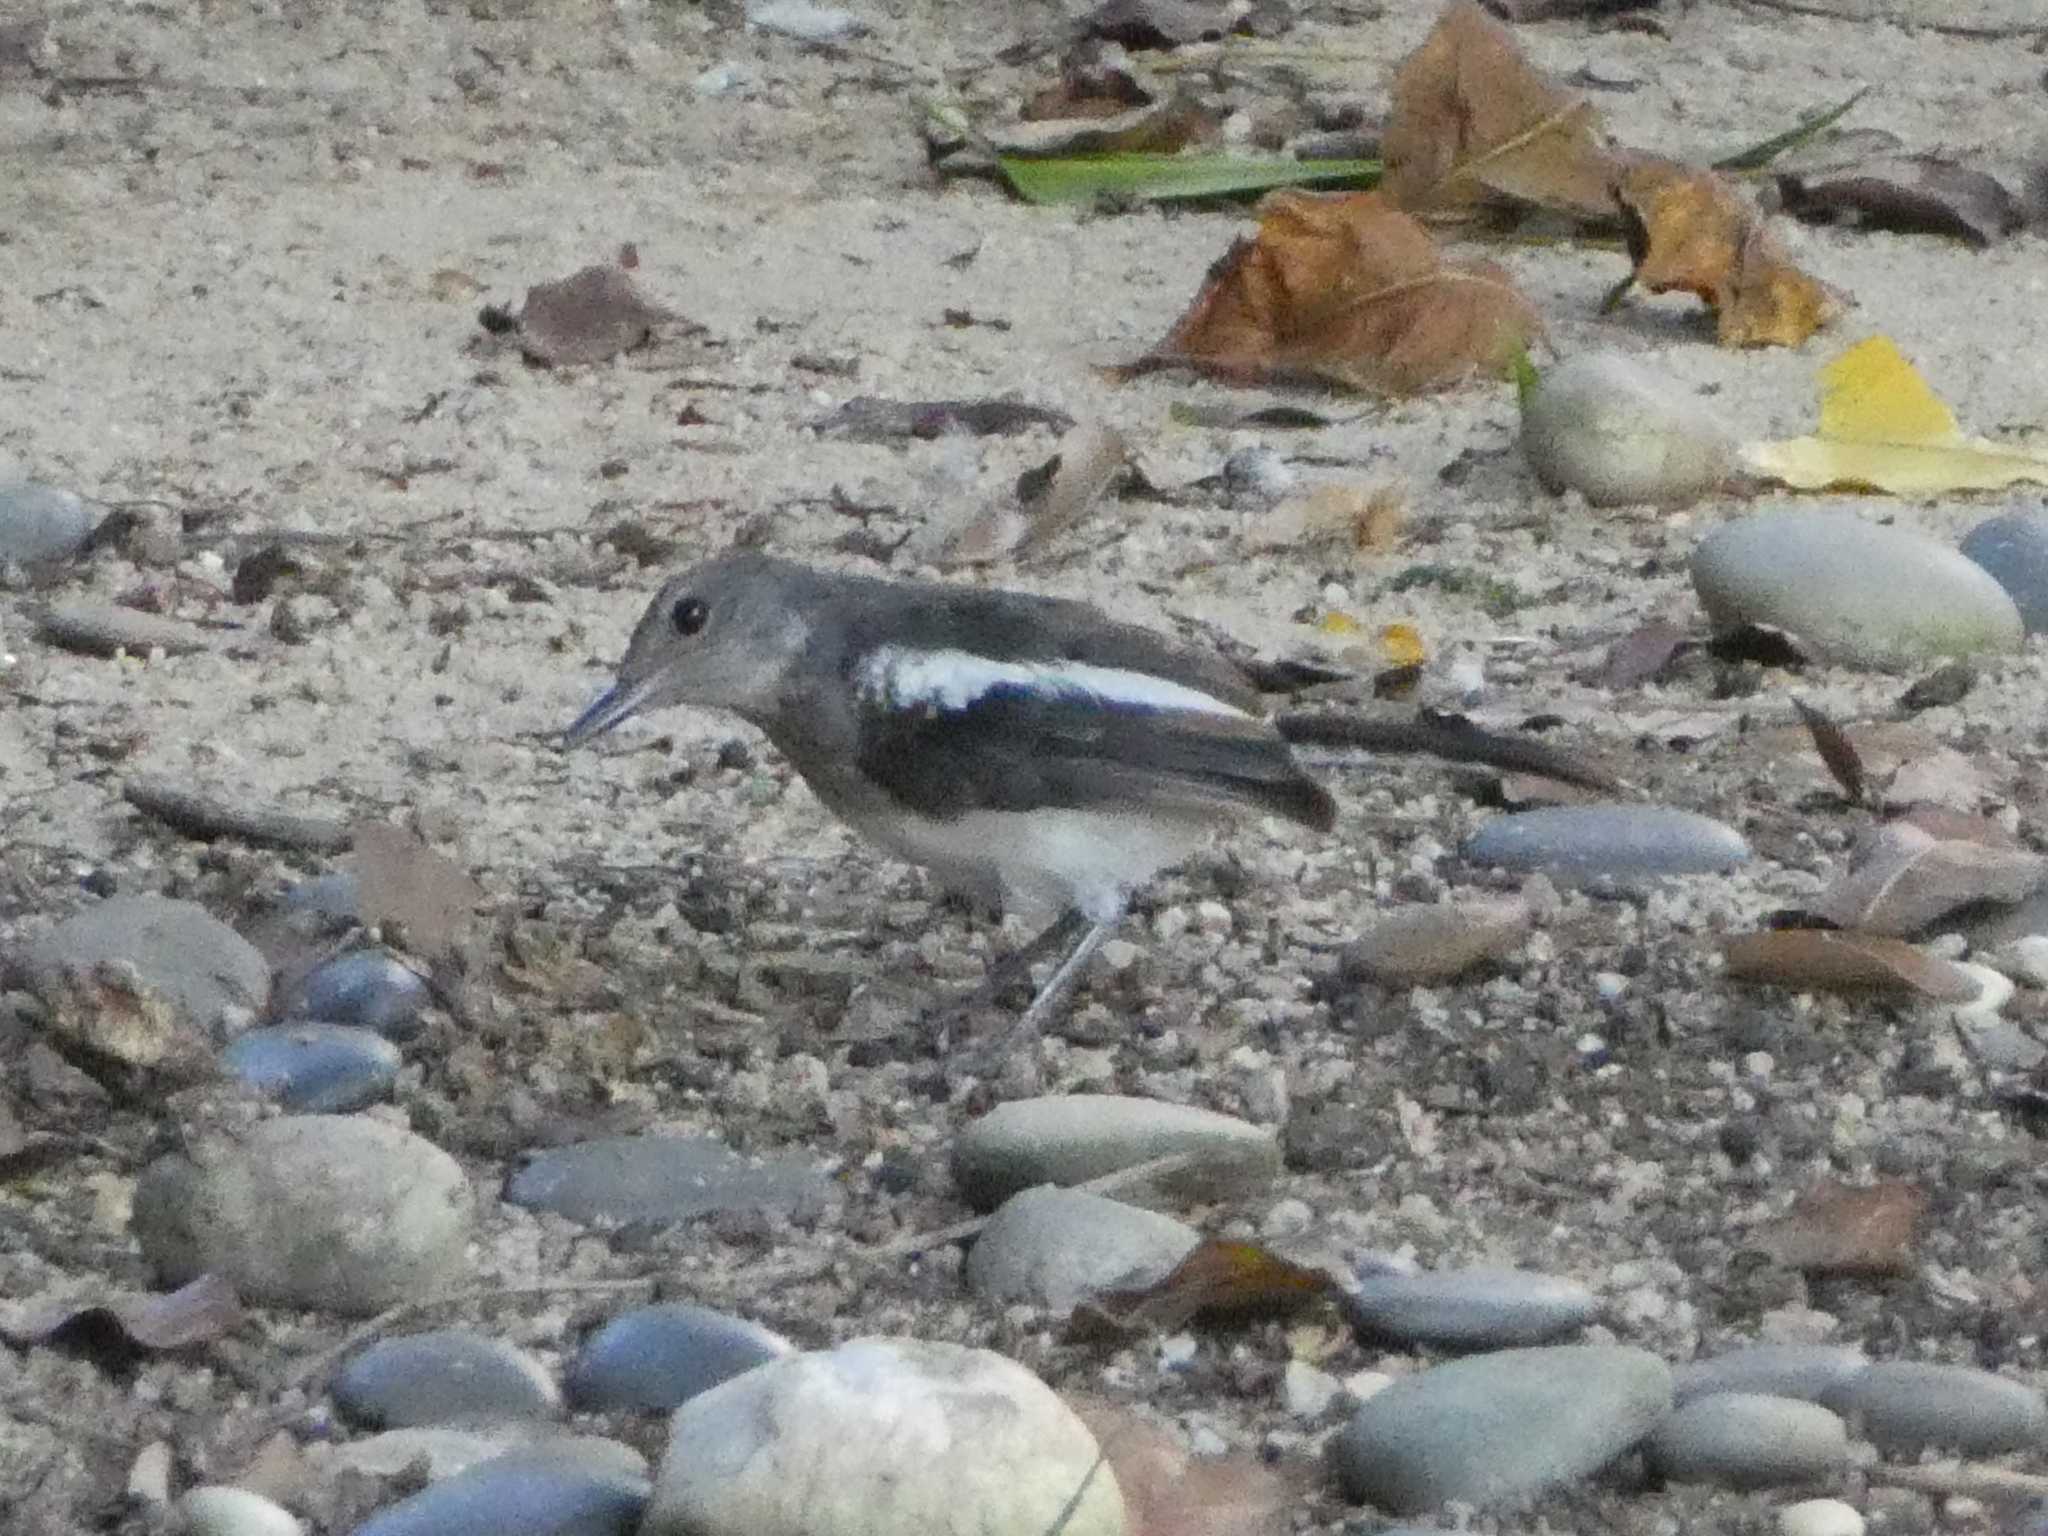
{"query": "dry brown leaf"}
[(113, 1328), (1836, 750), (586, 317), (1218, 1279), (1353, 518), (1475, 124), (1904, 879), (1168, 1492), (1840, 1229), (1425, 945), (1348, 290), (1909, 193), (403, 883), (1641, 655), (1817, 960), (1692, 231)]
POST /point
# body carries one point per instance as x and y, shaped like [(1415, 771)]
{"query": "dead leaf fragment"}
[(1912, 194), (1427, 945), (1476, 125), (1168, 1492), (1818, 960), (1692, 231), (1837, 751), (1353, 519), (1903, 879), (1048, 499), (113, 1329), (585, 318), (1641, 655), (870, 419), (1219, 1279), (402, 883), (1144, 24), (1841, 1229), (1348, 290)]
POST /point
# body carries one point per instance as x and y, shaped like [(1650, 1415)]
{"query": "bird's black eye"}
[(688, 615)]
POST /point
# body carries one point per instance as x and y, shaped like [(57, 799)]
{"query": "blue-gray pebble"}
[(447, 1376), (2013, 547), (1612, 842), (1749, 1440), (1853, 591), (213, 975), (1051, 1247), (532, 1491), (1907, 1405), (1497, 1428), (41, 522), (1469, 1308), (658, 1179), (655, 1358), (369, 988), (1805, 1371), (314, 1068)]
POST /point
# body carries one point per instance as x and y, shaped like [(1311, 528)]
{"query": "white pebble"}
[(1819, 1517), (1118, 954), (1306, 1391), (216, 1510), (2025, 959), (1178, 1352)]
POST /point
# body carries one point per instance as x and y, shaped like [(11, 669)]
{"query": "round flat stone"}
[(1905, 1405), (448, 1376), (1606, 427), (1469, 1308), (1614, 842), (1820, 1517), (211, 974), (660, 1357), (877, 1438), (331, 1212), (1052, 1247), (1748, 1440), (1076, 1137), (369, 988), (215, 1510), (1499, 1427), (1805, 1371), (1853, 591), (2013, 547), (659, 1179), (530, 1491), (314, 1068), (41, 522)]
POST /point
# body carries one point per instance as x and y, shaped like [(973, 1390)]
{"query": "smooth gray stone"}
[(210, 973), (660, 1357), (447, 1376), (1853, 591), (332, 1212), (1615, 842), (214, 1510), (107, 629), (41, 522), (369, 988), (1805, 1371), (335, 894), (314, 1068), (1052, 1247), (1748, 1440), (1497, 1428), (532, 1491), (1605, 426), (658, 1179), (1905, 1405), (2013, 547), (1469, 1308), (882, 1437), (1072, 1138)]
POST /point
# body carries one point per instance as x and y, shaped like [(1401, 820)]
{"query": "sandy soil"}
[(240, 293)]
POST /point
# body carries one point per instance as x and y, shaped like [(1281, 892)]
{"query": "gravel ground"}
[(244, 248)]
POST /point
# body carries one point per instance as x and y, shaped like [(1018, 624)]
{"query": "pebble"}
[(1805, 1371), (659, 1179), (1468, 1308), (1604, 426), (336, 894), (1908, 1405), (805, 22), (2025, 960), (2013, 547), (213, 976), (369, 988), (104, 629), (1748, 1440), (1306, 1391), (314, 1068), (1073, 1138), (1496, 1428), (659, 1357), (880, 1437), (447, 1376), (214, 1509), (1819, 1517), (1851, 590), (41, 522), (1618, 841), (1052, 1248), (548, 1490), (331, 1212), (1428, 945)]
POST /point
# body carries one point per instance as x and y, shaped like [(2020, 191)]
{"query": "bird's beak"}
[(619, 702)]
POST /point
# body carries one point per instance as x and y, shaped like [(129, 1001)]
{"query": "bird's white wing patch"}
[(954, 679)]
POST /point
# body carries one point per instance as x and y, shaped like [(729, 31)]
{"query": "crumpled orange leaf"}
[(1475, 124), (1219, 1279), (1692, 231), (1348, 290)]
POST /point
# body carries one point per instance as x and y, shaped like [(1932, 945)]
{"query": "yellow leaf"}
[(1338, 622), (1402, 645), (1883, 429)]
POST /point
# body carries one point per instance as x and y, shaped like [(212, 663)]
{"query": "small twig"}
[(1953, 1478), (203, 817)]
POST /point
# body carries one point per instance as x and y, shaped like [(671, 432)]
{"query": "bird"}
[(1025, 750)]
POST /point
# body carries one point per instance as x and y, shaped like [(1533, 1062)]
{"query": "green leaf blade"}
[(1056, 179)]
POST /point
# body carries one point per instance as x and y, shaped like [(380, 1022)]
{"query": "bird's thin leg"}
[(1053, 996), (1005, 970)]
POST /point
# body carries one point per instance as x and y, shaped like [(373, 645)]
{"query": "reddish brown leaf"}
[(1839, 1229), (1168, 1492), (1836, 750), (1475, 124), (586, 317), (1816, 960), (1425, 945), (1692, 231), (1909, 193), (1348, 290), (1218, 1279)]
